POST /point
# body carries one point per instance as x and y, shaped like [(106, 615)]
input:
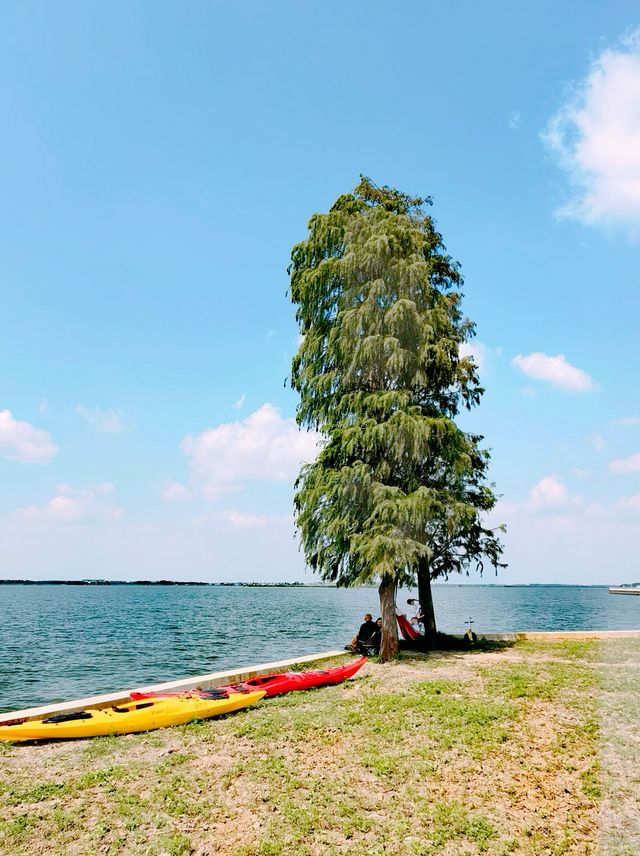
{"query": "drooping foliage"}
[(397, 486)]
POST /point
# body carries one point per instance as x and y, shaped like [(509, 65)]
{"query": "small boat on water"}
[(625, 588), (272, 685)]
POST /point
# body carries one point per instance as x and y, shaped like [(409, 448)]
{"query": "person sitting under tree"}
[(368, 637)]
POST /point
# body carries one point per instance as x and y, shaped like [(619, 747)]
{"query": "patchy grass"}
[(451, 754), (619, 779), (584, 650)]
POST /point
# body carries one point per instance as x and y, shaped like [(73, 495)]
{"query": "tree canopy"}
[(397, 486)]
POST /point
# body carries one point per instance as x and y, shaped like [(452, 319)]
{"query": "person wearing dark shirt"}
[(367, 630), (367, 639), (373, 645)]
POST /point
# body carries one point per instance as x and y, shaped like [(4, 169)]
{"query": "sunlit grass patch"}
[(544, 681), (174, 844), (585, 650), (16, 829), (451, 821), (102, 745), (38, 793)]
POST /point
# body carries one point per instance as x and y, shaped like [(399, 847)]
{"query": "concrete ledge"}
[(558, 635), (214, 679)]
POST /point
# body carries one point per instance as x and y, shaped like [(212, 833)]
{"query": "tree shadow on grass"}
[(446, 642)]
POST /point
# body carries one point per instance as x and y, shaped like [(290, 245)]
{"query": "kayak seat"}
[(68, 717)]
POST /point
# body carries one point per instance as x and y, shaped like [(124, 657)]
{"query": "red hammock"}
[(407, 629)]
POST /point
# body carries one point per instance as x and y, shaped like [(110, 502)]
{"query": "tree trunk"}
[(425, 597), (389, 644)]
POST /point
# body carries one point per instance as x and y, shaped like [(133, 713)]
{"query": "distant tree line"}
[(146, 583)]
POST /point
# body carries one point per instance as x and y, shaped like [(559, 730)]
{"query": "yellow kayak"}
[(127, 718)]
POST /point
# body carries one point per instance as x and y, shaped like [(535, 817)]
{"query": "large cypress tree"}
[(397, 491)]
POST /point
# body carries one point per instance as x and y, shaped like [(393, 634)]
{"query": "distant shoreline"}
[(156, 583), (90, 582)]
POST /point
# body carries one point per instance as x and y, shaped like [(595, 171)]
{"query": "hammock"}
[(407, 629)]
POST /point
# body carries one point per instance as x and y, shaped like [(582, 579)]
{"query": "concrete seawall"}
[(234, 676), (214, 679)]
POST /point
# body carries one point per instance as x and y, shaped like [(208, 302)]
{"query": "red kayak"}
[(277, 684)]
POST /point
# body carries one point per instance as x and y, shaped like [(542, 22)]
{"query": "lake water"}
[(65, 642)]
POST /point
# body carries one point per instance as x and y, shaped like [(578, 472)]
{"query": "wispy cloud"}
[(622, 466), (106, 421), (626, 422), (581, 473), (246, 520), (629, 504), (174, 492), (21, 441), (554, 370), (236, 519), (596, 137), (597, 442), (239, 404), (74, 505), (514, 119)]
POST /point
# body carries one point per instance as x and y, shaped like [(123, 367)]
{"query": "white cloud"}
[(555, 370), (596, 138), (262, 447), (477, 350), (597, 442), (244, 520), (105, 488), (581, 545), (551, 492), (43, 407), (21, 441), (238, 405), (627, 421), (579, 473), (626, 465), (514, 119), (106, 421), (174, 492), (629, 504), (73, 505)]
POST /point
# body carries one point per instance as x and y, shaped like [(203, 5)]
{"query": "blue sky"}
[(158, 161)]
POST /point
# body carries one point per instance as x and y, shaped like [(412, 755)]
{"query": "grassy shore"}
[(512, 751)]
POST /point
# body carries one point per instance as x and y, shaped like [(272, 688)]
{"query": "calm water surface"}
[(65, 642)]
